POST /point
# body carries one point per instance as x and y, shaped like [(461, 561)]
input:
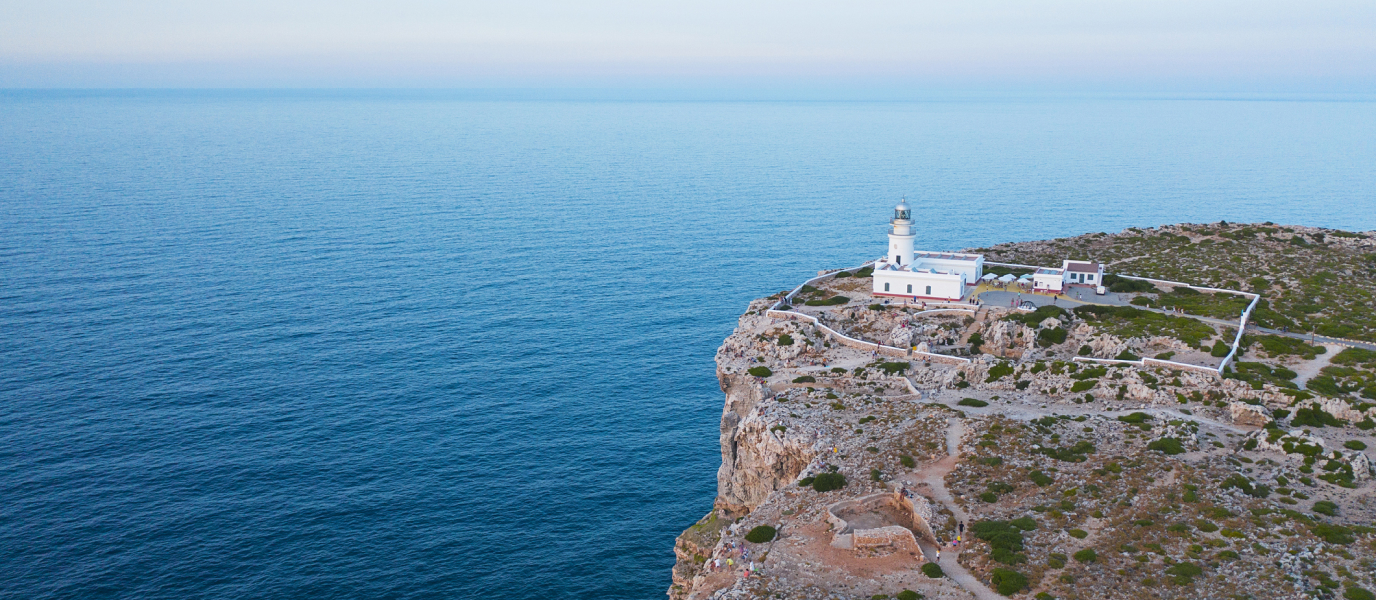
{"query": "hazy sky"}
[(1317, 45)]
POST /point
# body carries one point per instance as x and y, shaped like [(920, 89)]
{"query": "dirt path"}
[(1310, 369), (935, 478)]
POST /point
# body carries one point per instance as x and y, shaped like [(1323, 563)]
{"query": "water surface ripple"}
[(363, 346)]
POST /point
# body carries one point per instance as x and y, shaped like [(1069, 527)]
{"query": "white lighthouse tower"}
[(913, 276), (901, 235)]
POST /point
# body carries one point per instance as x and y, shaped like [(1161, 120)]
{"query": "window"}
[(1090, 277), (910, 288), (886, 286), (929, 290)]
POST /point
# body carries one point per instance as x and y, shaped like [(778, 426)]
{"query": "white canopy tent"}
[(1007, 278)]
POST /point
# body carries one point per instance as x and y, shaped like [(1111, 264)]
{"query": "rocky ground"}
[(1074, 480)]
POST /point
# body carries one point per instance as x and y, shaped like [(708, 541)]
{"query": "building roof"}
[(1080, 266), (1048, 271), (947, 255)]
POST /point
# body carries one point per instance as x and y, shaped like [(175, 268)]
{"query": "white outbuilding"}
[(1072, 272), (904, 273)]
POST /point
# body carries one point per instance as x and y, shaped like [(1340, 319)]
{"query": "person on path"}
[(961, 528), (938, 554)]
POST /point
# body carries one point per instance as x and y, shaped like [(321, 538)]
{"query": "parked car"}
[(1101, 290)]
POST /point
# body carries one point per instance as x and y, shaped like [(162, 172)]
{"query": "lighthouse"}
[(904, 273), (901, 235)]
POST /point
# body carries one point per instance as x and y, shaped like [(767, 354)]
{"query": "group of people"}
[(734, 549)]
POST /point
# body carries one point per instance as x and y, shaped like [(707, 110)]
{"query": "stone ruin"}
[(880, 520)]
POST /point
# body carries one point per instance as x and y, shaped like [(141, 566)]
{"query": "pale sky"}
[(1313, 45)]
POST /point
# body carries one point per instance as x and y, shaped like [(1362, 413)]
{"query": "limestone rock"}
[(1249, 415)]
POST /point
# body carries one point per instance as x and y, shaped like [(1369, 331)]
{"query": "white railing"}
[(844, 339), (1242, 322)]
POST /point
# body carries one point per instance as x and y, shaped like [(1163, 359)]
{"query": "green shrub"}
[(1003, 537), (932, 570), (1325, 507), (1354, 445), (805, 379), (894, 367), (1167, 445), (1088, 555), (1056, 560), (1276, 345), (1313, 416), (1121, 285), (1333, 534), (908, 595), (998, 371), (1078, 534), (1042, 313), (1206, 526), (1040, 478), (906, 461), (1355, 593), (976, 340), (1023, 523), (989, 497), (838, 370), (761, 534), (1074, 453), (1126, 355), (806, 481), (832, 301), (827, 482), (760, 371), (1080, 386), (1137, 417), (1184, 572), (972, 402), (1008, 581), (785, 340), (1085, 350), (1047, 338), (1220, 349)]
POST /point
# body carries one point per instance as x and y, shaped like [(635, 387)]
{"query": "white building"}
[(1047, 279), (1083, 272), (922, 275), (1072, 272)]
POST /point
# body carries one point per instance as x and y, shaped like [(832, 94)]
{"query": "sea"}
[(372, 344)]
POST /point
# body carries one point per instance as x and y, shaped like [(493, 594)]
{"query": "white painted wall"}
[(944, 287)]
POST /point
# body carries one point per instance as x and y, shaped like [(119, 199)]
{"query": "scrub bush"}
[(1008, 581), (761, 534), (827, 482)]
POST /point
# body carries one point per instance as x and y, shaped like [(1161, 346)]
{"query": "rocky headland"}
[(1124, 446)]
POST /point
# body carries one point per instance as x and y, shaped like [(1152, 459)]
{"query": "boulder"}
[(1249, 415)]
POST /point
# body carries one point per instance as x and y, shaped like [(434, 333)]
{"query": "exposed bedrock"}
[(755, 461)]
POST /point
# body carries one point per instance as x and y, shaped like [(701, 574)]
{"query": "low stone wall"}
[(846, 340), (913, 521), (1148, 362)]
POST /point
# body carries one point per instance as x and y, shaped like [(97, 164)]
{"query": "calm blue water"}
[(411, 346)]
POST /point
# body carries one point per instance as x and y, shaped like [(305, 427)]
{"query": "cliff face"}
[(755, 461)]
